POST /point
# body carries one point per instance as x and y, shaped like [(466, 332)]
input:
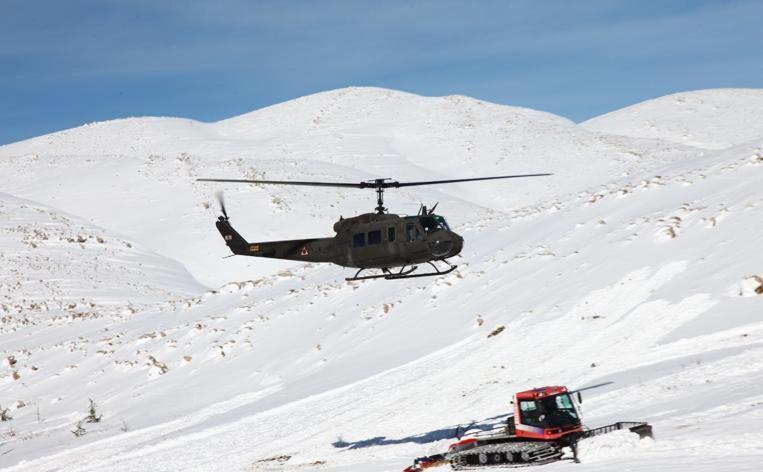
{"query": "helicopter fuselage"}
[(367, 241), (383, 241)]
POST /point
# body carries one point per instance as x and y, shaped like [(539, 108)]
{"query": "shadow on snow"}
[(450, 432)]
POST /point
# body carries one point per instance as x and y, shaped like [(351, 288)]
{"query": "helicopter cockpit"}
[(432, 223)]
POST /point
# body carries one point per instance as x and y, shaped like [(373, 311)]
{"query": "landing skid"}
[(385, 275), (403, 273)]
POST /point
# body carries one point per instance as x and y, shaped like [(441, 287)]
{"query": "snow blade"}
[(422, 463), (644, 430)]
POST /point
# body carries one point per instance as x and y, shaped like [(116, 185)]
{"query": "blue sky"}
[(65, 63)]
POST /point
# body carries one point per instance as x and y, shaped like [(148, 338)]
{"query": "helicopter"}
[(393, 244)]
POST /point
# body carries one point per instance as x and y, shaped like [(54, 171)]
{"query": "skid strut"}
[(405, 272)]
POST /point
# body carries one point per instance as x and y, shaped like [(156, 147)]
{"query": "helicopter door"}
[(412, 233), (358, 240), (391, 242), (368, 248), (377, 250), (391, 234), (359, 250)]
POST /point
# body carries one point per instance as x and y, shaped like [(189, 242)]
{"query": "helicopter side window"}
[(374, 237), (410, 232), (391, 234), (359, 240)]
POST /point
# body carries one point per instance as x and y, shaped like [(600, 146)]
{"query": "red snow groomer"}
[(545, 420)]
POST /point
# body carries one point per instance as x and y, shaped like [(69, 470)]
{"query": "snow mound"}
[(712, 119), (59, 263), (612, 446), (749, 287)]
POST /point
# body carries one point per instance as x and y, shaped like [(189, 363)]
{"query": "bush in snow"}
[(92, 416)]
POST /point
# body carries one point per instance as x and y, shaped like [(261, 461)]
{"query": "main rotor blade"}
[(375, 183), (432, 182), (288, 182), (591, 386)]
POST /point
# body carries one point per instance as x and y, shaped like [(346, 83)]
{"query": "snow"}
[(137, 176), (712, 119), (637, 263)]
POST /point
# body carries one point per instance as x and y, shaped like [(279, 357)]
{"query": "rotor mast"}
[(380, 201), (380, 185)]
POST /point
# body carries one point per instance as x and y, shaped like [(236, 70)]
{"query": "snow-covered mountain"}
[(137, 176), (637, 262), (712, 119)]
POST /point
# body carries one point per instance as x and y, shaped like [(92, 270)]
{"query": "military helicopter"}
[(377, 240)]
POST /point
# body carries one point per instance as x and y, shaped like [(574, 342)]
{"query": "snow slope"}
[(645, 272), (712, 119), (136, 176)]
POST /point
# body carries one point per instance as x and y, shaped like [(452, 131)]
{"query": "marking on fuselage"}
[(304, 251), (254, 248)]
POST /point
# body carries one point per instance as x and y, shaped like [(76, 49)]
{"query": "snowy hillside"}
[(637, 263), (712, 119), (136, 176), (51, 255)]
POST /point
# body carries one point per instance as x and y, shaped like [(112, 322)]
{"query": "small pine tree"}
[(4, 416), (92, 417)]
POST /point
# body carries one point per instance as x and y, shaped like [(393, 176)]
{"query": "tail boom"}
[(308, 250)]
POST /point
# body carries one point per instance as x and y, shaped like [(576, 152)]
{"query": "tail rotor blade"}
[(221, 201)]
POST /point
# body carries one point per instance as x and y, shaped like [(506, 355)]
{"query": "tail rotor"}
[(221, 201)]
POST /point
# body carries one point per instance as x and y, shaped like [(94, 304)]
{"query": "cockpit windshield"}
[(550, 412), (559, 411), (433, 223)]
